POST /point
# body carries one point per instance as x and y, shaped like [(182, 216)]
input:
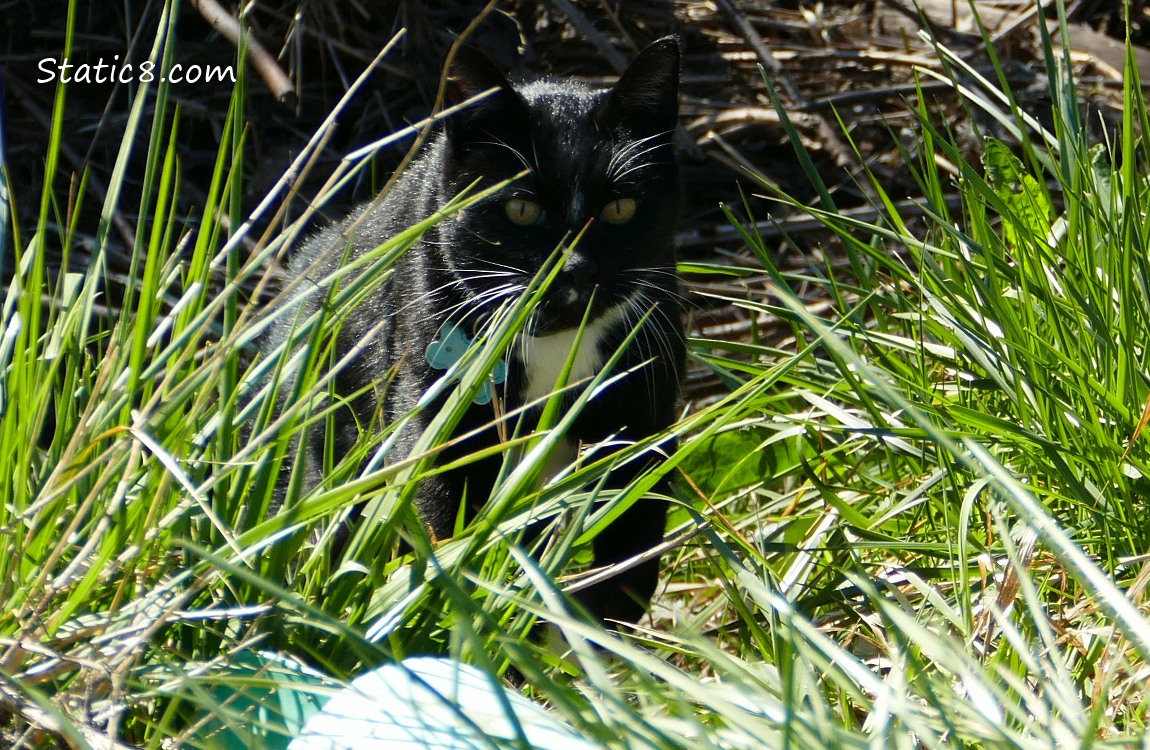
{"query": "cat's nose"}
[(579, 271)]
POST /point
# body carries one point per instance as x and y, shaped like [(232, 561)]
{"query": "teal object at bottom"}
[(262, 701), (429, 703), (272, 702)]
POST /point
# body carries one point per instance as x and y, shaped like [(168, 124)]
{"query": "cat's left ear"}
[(646, 98), (472, 74)]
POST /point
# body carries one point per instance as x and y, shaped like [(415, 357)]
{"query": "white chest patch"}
[(543, 357)]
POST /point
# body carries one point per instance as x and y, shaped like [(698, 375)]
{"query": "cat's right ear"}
[(646, 97), (471, 74)]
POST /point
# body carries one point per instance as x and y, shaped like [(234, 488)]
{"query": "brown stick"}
[(752, 37), (40, 718), (275, 79), (613, 57)]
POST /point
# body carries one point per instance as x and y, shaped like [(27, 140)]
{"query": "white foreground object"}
[(433, 704)]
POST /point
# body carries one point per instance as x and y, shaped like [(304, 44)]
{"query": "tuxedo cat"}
[(597, 162)]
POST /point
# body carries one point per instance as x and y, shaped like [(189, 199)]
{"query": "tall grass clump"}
[(916, 523), (982, 390)]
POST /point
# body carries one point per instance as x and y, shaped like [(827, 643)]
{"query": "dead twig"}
[(58, 724), (919, 16), (613, 56), (752, 37), (263, 62), (803, 223), (831, 138)]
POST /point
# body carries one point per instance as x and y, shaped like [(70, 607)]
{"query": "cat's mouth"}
[(566, 308)]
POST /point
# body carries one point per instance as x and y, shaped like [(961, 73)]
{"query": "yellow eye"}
[(523, 212), (619, 211)]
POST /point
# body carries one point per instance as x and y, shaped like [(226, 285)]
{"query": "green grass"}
[(918, 522)]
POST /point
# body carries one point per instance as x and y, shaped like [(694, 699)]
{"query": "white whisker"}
[(497, 141)]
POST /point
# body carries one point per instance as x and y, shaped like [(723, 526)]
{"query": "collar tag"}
[(449, 346)]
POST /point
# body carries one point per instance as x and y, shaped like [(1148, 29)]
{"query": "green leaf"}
[(1030, 211), (740, 458)]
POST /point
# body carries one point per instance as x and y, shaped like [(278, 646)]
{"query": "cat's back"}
[(411, 199)]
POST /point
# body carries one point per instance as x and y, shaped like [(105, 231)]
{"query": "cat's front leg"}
[(447, 498), (640, 406), (625, 596)]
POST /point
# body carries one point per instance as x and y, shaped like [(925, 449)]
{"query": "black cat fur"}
[(587, 151)]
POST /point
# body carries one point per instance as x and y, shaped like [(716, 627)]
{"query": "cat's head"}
[(600, 165)]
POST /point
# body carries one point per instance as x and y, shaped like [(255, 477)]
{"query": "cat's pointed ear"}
[(646, 98), (472, 73)]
